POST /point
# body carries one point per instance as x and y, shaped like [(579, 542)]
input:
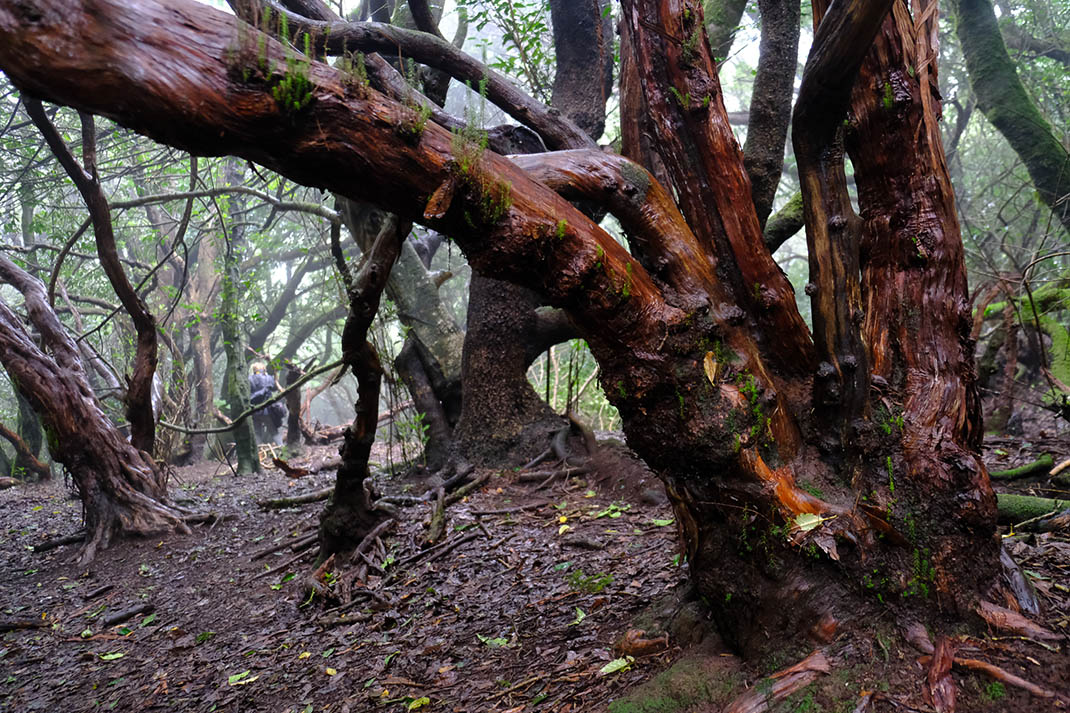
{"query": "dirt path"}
[(521, 612)]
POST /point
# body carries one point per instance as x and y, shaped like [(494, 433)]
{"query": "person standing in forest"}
[(268, 420)]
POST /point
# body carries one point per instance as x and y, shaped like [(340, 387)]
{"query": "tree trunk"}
[(236, 378), (122, 490), (29, 430), (1007, 105), (699, 342), (503, 420)]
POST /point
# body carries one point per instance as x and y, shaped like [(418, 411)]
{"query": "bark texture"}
[(698, 340)]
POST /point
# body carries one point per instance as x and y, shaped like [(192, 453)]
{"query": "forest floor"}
[(521, 610)]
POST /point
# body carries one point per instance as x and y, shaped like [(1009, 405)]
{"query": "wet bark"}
[(833, 230), (712, 383), (684, 112), (918, 319), (123, 492)]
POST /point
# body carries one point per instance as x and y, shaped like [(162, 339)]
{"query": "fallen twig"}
[(279, 503), (18, 624), (121, 616), (278, 568), (507, 511)]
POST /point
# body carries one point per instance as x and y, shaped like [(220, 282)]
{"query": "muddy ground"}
[(521, 609)]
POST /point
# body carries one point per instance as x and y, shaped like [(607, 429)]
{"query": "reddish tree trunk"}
[(700, 346)]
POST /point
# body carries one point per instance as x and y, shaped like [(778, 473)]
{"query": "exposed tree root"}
[(785, 683), (1007, 620), (997, 673)]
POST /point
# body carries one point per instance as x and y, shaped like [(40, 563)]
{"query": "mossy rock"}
[(699, 679)]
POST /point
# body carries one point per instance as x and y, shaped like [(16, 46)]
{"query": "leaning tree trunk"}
[(700, 344), (1006, 103), (139, 411), (123, 491)]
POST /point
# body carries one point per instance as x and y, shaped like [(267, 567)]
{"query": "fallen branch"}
[(437, 527), (507, 511), (1060, 468), (1040, 465), (463, 491), (279, 503), (121, 616), (1045, 523), (1019, 508), (278, 568), (60, 542), (292, 544), (19, 624)]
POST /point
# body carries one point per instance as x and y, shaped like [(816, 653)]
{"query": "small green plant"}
[(293, 92), (923, 575), (593, 584), (891, 474), (562, 226), (354, 71), (994, 691), (889, 96), (470, 141)]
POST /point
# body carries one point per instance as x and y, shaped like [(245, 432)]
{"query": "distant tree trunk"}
[(122, 490), (293, 408), (1007, 105), (236, 380), (503, 420), (29, 430)]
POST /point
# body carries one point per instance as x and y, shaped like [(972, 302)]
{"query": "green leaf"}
[(419, 703), (328, 652), (807, 521), (663, 523), (111, 657), (580, 616), (148, 620), (493, 643), (617, 665), (240, 679), (204, 636), (86, 633)]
